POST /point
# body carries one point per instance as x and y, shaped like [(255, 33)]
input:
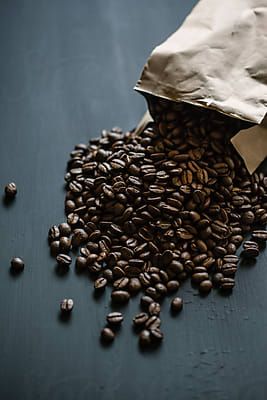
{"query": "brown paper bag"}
[(218, 60)]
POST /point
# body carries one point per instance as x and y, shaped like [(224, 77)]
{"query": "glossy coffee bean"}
[(144, 338), (107, 335), (176, 304), (66, 305), (17, 264), (11, 190), (64, 260), (114, 318)]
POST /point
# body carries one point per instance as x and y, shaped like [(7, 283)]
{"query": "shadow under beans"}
[(61, 271), (224, 293), (153, 349), (247, 262), (8, 201), (15, 273), (64, 318)]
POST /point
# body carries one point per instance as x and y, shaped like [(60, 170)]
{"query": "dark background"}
[(67, 70)]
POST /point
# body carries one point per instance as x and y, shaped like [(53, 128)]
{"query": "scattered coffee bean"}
[(156, 334), (11, 190), (64, 229), (63, 260), (177, 304), (120, 296), (140, 319), (154, 308), (66, 305), (259, 235), (17, 264), (114, 318), (144, 338), (145, 301), (100, 283), (107, 335), (205, 286)]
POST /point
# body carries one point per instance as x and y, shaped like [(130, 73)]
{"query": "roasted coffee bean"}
[(172, 286), (53, 233), (229, 269), (198, 277), (156, 334), (55, 247), (64, 244), (153, 322), (227, 283), (121, 283), (154, 308), (176, 304), (145, 301), (107, 335), (100, 283), (134, 285), (217, 278), (81, 263), (64, 229), (140, 319), (79, 237), (17, 264), (259, 235), (144, 338), (66, 305), (64, 260), (120, 296), (10, 190), (205, 286), (114, 318)]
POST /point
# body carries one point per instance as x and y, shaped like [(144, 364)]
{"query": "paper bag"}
[(218, 60)]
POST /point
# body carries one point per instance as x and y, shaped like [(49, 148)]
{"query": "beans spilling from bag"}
[(151, 210)]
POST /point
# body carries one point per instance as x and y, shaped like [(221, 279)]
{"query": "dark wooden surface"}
[(67, 70)]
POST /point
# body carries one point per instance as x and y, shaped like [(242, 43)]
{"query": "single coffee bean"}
[(100, 283), (205, 286), (53, 233), (66, 305), (55, 247), (134, 285), (172, 286), (154, 308), (217, 278), (259, 235), (156, 334), (64, 260), (227, 283), (81, 263), (199, 277), (120, 296), (144, 338), (114, 318), (107, 335), (153, 322), (145, 301), (17, 264), (64, 229), (79, 237), (11, 190), (64, 244), (176, 304), (121, 283), (140, 319)]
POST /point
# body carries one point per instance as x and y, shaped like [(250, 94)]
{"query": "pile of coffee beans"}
[(151, 210)]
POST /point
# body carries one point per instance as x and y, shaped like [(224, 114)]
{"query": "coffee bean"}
[(17, 264), (64, 260), (53, 233), (10, 190), (227, 283), (64, 244), (205, 286), (55, 247), (144, 338), (259, 235), (153, 322), (114, 318), (81, 263), (140, 319), (100, 283), (66, 305), (121, 283), (64, 229), (172, 286), (156, 334), (79, 236), (154, 308), (120, 296), (199, 277), (145, 301), (134, 285), (176, 304), (107, 335)]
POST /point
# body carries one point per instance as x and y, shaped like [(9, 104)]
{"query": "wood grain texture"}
[(67, 71)]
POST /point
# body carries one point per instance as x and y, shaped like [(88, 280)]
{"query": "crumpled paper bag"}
[(218, 59)]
